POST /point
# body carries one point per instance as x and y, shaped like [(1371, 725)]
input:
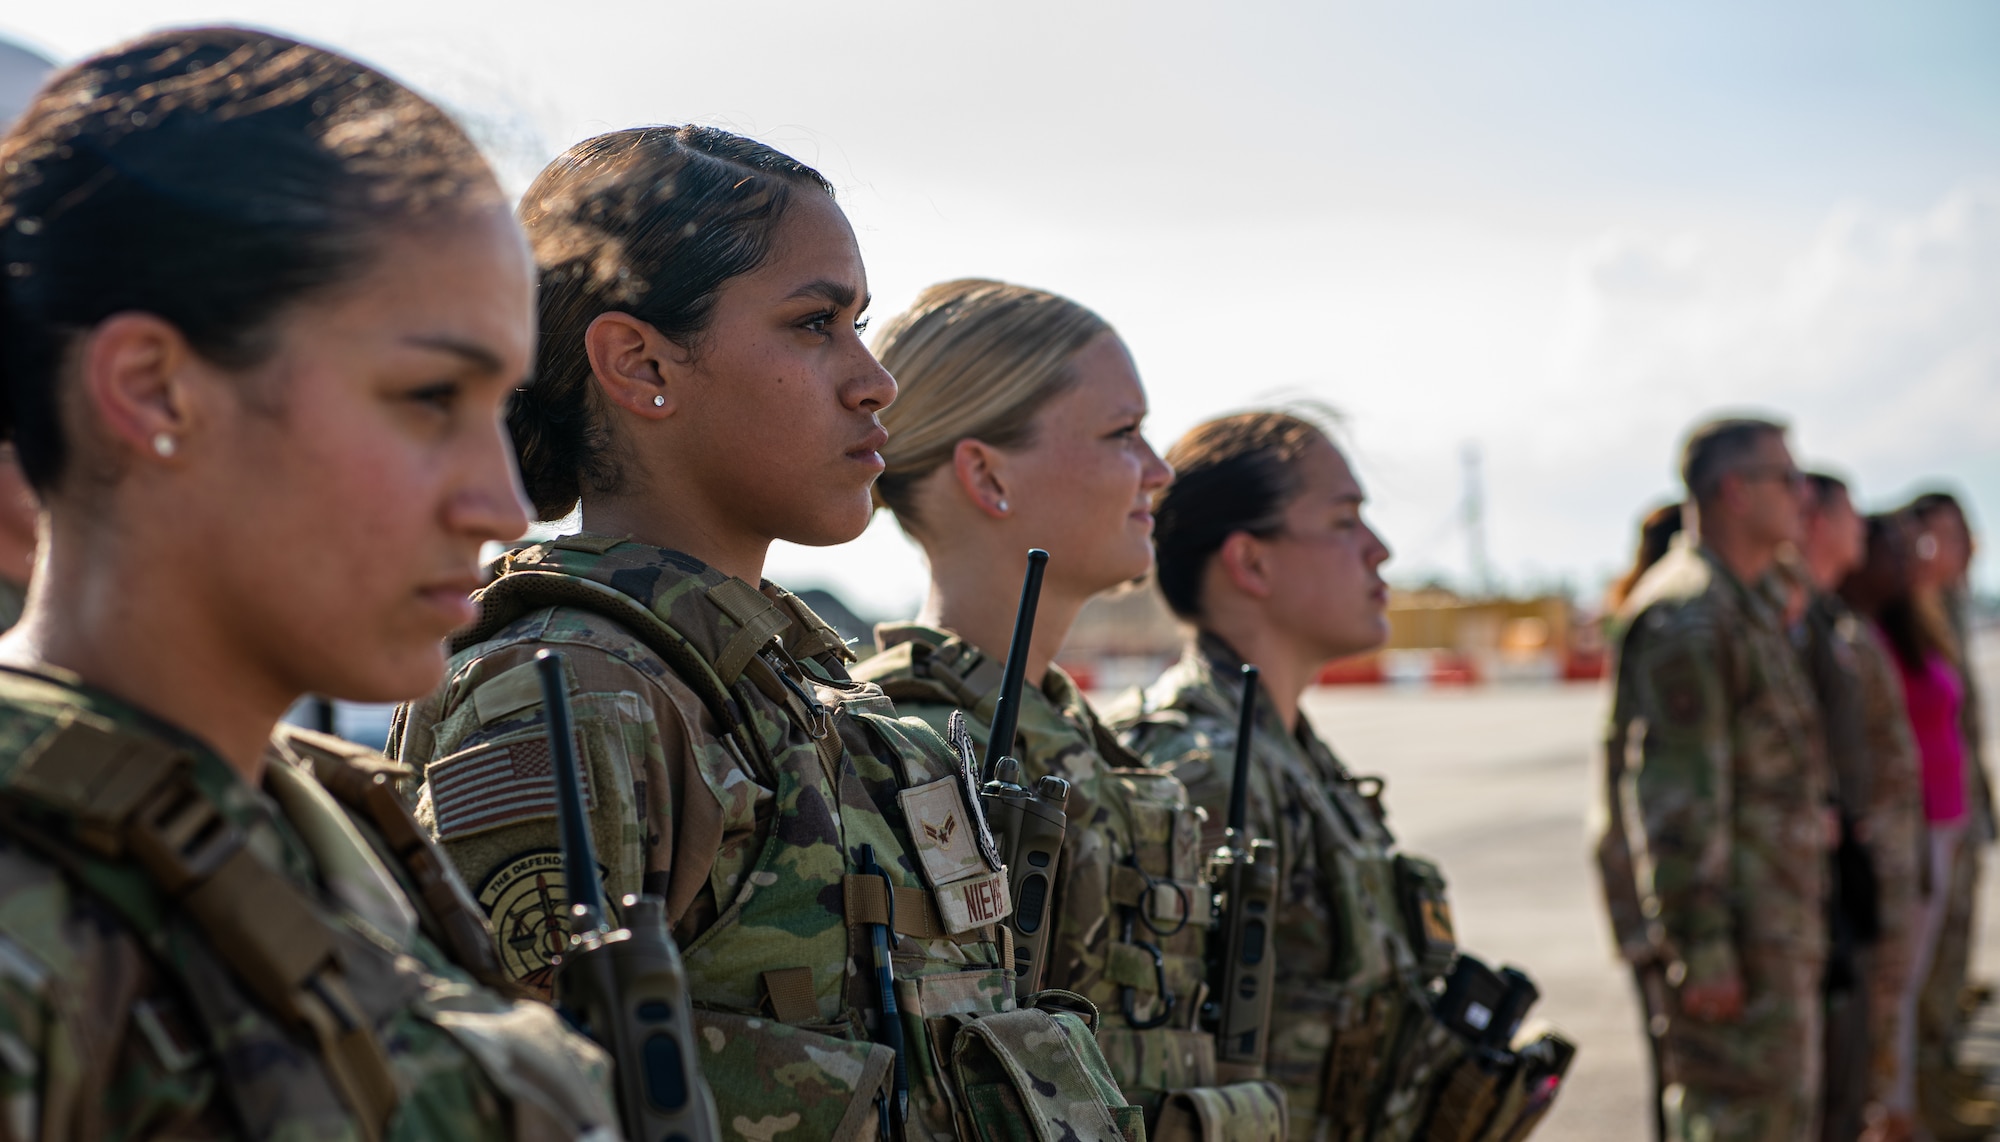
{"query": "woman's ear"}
[(981, 472), (1244, 559), (138, 380), (633, 363)]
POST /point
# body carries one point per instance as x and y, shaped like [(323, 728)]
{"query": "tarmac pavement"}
[(1496, 784)]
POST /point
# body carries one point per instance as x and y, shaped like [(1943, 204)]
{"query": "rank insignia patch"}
[(945, 846)]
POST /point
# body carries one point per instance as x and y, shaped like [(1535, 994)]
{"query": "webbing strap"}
[(760, 621), (916, 914), (791, 994), (976, 673), (1128, 886), (517, 593), (451, 918), (130, 794)]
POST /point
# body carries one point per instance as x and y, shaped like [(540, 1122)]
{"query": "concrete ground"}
[(1496, 784)]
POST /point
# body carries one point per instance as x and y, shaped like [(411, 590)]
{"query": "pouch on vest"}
[(1420, 894), (1498, 1096), (1239, 1112), (773, 1079), (1357, 1057), (1034, 1075), (1463, 1070)]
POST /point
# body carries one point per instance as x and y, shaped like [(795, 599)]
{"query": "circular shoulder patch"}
[(528, 902)]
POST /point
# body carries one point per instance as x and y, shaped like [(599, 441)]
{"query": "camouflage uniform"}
[(121, 1015), (1347, 971), (1896, 839), (1832, 640), (1131, 906), (1723, 789), (734, 769)]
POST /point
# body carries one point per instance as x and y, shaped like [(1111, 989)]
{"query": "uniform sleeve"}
[(489, 795), (1684, 792)]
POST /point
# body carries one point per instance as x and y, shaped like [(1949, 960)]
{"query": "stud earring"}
[(659, 401), (163, 445), (1002, 505)]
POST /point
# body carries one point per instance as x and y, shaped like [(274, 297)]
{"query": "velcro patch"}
[(944, 829), (971, 903), (493, 786)]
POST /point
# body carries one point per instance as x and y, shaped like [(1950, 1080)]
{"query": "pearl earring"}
[(659, 401), (163, 445), (1002, 505)]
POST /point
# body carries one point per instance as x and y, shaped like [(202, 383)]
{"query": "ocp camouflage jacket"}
[(1717, 776), (1346, 969), (121, 1013), (1131, 909), (734, 769)]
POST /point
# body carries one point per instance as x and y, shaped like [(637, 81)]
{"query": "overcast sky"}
[(1559, 232)]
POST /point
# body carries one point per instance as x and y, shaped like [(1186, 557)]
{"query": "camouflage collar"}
[(1221, 694), (1763, 601), (1052, 716), (726, 619), (35, 705)]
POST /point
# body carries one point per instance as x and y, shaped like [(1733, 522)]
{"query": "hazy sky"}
[(1561, 231)]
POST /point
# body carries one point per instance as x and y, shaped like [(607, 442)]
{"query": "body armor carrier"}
[(1134, 856), (299, 997), (790, 1017)]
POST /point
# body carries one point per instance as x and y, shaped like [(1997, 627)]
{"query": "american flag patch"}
[(493, 786)]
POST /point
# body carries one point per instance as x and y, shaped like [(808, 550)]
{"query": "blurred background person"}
[(1832, 544), (1629, 924), (1656, 534), (1950, 1097), (1727, 799), (1894, 827), (18, 512), (1018, 425)]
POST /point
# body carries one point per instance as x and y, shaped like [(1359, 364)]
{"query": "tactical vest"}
[(1345, 1002), (1133, 855), (294, 994), (785, 1002)]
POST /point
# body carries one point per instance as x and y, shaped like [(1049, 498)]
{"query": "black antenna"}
[(586, 895), (1246, 724), (1007, 709)]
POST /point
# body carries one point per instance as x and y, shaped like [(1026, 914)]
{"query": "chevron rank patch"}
[(969, 894), (495, 785), (941, 824)]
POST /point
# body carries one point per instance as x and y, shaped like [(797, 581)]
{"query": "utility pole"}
[(1472, 514)]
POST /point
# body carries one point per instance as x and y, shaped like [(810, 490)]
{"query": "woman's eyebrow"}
[(479, 356), (839, 293)]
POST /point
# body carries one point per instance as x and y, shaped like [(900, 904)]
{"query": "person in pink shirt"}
[(1933, 695)]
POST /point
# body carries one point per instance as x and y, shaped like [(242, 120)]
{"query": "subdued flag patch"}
[(493, 786)]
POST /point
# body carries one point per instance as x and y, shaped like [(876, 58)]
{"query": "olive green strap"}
[(517, 593), (134, 796), (450, 917)]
